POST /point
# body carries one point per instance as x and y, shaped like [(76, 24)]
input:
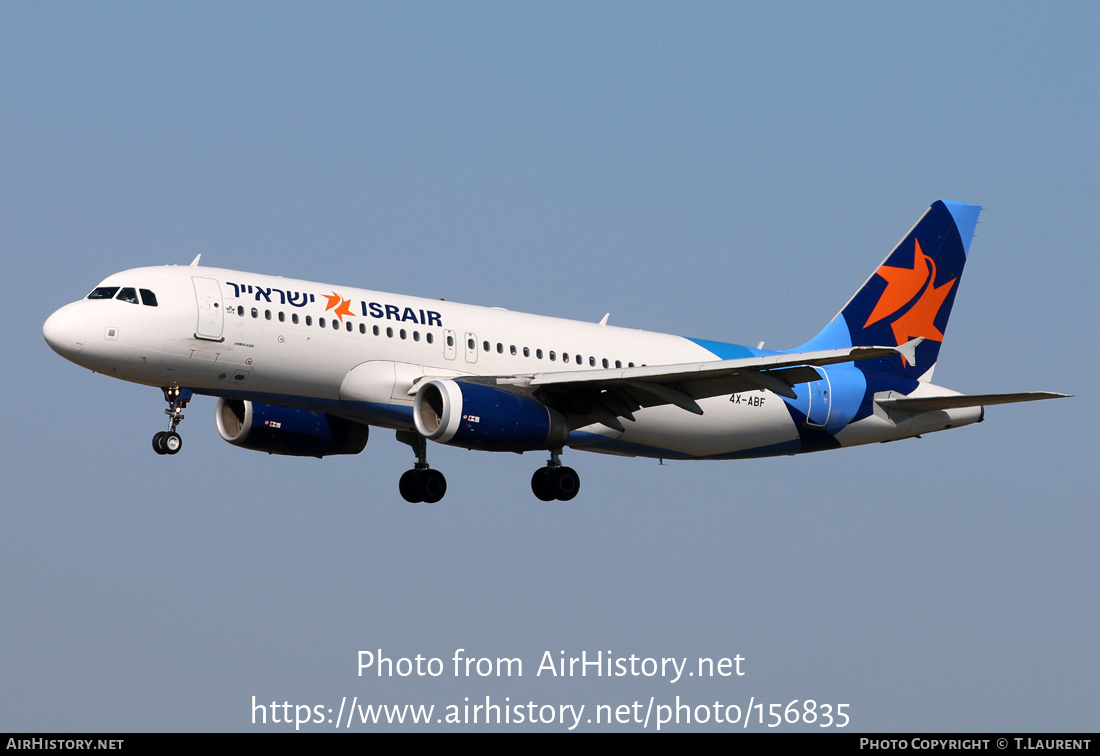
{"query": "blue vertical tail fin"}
[(909, 295)]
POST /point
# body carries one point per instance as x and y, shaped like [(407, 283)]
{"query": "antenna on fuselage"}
[(195, 262)]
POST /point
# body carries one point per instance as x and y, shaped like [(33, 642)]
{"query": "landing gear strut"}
[(170, 442), (420, 484), (555, 481)]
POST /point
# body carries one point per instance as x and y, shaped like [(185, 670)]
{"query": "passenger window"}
[(282, 316), (553, 356), (416, 335), (565, 357), (485, 346), (592, 362), (389, 332), (267, 314), (512, 350), (362, 328), (309, 320), (255, 313), (376, 331), (538, 354), (103, 292), (526, 352), (240, 311), (605, 362), (470, 344), (402, 334), (321, 322), (349, 326), (294, 318), (618, 363), (429, 339), (128, 294), (148, 298)]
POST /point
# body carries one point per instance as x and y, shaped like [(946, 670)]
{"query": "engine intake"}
[(286, 430), (476, 416)]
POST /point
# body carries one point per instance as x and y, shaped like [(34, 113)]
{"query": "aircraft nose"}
[(65, 331)]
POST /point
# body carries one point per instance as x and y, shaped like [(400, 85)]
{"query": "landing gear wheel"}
[(564, 483), (427, 485), (540, 484), (432, 486), (555, 481), (158, 442), (172, 442), (409, 485)]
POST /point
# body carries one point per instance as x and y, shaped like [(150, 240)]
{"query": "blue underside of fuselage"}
[(587, 441), (388, 415), (372, 413)]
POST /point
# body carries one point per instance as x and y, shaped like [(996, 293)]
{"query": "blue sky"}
[(721, 171)]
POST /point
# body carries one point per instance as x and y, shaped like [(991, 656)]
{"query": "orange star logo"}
[(342, 306), (916, 285)]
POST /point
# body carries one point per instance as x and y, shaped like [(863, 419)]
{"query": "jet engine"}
[(476, 416), (286, 430)]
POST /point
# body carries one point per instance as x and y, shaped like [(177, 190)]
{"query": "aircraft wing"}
[(609, 394)]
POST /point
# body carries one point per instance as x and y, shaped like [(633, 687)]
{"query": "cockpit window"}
[(128, 294), (148, 298), (103, 292)]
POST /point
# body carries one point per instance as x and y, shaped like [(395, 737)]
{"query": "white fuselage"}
[(359, 354)]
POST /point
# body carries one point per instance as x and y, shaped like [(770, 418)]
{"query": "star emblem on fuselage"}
[(339, 305)]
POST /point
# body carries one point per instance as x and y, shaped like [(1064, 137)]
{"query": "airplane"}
[(303, 368)]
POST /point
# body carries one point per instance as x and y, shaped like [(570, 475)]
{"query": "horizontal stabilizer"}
[(954, 401)]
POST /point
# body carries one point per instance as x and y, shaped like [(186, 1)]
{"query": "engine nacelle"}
[(286, 430), (476, 416)]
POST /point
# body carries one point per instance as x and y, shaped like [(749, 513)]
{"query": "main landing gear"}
[(555, 481), (420, 484), (170, 442), (423, 484)]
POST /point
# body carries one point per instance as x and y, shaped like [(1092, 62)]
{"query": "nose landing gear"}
[(555, 481), (170, 442)]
